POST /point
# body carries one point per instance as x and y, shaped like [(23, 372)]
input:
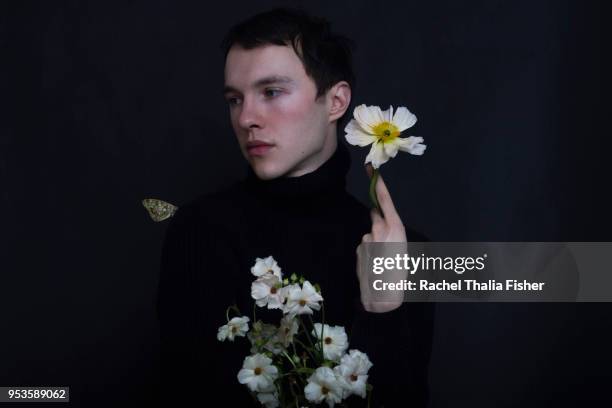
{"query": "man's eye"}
[(272, 92), (233, 101)]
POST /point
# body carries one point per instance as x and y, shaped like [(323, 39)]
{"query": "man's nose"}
[(249, 115)]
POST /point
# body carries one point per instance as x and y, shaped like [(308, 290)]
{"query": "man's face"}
[(281, 129)]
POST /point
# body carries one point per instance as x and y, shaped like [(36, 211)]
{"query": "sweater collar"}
[(328, 178)]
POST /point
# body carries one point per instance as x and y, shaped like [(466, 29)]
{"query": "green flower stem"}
[(308, 335), (232, 307), (373, 197), (322, 328), (305, 348), (289, 358), (319, 340), (305, 370), (296, 353), (294, 349), (295, 397), (279, 390)]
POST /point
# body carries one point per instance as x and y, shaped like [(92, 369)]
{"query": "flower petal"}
[(377, 155), (368, 116), (245, 375), (404, 119), (388, 114), (356, 136), (412, 145), (222, 332), (391, 148), (354, 125), (259, 289)]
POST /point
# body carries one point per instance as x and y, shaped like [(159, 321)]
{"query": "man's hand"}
[(386, 227)]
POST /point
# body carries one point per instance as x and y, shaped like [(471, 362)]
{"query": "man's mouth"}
[(258, 148)]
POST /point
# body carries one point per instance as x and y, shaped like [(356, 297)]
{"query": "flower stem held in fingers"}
[(373, 197)]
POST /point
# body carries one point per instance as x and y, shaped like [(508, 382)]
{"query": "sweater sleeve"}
[(192, 298), (399, 345), (177, 303)]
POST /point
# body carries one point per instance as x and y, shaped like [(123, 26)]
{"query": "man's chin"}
[(266, 172)]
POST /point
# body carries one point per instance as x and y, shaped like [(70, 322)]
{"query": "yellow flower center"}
[(385, 131), (257, 370)]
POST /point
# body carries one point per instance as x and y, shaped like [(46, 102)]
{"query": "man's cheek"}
[(294, 107)]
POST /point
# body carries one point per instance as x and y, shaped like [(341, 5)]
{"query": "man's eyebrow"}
[(269, 80), (273, 79)]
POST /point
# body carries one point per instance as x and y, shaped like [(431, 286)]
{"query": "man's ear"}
[(340, 98)]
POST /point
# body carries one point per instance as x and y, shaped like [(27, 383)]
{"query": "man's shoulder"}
[(209, 208)]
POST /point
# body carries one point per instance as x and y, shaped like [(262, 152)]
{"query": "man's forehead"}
[(261, 66)]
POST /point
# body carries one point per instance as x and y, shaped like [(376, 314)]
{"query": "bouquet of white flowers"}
[(297, 362)]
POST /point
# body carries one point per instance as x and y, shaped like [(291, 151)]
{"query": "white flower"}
[(335, 341), (268, 290), (265, 266), (238, 326), (269, 398), (353, 369), (324, 384), (382, 130), (288, 328), (258, 373), (302, 300)]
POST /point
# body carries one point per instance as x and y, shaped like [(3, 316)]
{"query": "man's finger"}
[(376, 216), (378, 223), (385, 202)]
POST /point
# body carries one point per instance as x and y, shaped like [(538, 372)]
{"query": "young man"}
[(288, 83)]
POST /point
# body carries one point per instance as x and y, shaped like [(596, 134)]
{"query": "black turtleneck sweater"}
[(312, 227)]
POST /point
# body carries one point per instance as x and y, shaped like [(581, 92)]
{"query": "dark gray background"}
[(110, 102)]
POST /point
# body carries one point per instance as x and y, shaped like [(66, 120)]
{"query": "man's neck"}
[(313, 163)]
